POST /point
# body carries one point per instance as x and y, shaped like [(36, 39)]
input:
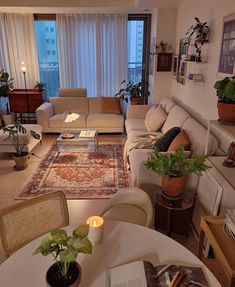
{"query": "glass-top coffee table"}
[(78, 140)]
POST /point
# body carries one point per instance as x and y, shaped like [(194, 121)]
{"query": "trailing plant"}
[(40, 86), (133, 90), (225, 90), (64, 248), (175, 164), (16, 133), (5, 86)]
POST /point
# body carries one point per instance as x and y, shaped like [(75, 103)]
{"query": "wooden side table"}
[(173, 215), (223, 266)]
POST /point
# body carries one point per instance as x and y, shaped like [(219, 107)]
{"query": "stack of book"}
[(188, 58)]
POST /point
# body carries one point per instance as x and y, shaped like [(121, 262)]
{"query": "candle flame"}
[(94, 223)]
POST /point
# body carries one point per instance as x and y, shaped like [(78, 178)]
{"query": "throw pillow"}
[(110, 105), (180, 139), (155, 118), (164, 142)]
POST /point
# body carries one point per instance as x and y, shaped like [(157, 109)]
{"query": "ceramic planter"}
[(173, 186), (55, 279), (226, 112), (21, 162)]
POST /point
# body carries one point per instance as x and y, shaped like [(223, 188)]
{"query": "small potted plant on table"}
[(19, 137), (225, 90), (173, 168), (65, 272)]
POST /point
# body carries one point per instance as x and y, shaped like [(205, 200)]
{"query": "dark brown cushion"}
[(180, 139), (164, 142)]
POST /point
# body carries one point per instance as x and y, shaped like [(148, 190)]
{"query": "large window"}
[(47, 55)]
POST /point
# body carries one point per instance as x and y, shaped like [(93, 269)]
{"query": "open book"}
[(87, 133), (144, 274)]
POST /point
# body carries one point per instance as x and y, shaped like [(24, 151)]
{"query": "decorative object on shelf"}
[(196, 77), (19, 137), (164, 62), (227, 53), (64, 249), (201, 31), (182, 65), (40, 86), (163, 46), (6, 86), (230, 160), (96, 224), (137, 92), (173, 167), (189, 58), (225, 90)]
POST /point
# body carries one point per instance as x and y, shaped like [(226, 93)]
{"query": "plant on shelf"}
[(137, 92), (19, 137), (6, 86), (201, 31), (64, 250), (173, 168), (225, 91), (40, 86)]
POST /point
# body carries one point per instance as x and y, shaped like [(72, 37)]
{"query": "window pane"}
[(47, 56), (135, 50)]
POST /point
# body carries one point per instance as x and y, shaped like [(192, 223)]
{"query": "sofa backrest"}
[(70, 104), (72, 92), (167, 104), (95, 105), (176, 118), (198, 136)]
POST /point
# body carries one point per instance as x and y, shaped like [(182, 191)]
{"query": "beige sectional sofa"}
[(177, 117), (51, 114)]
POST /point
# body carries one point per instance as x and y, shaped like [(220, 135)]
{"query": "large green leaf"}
[(45, 246), (81, 231), (59, 236), (81, 244), (229, 91), (68, 255)]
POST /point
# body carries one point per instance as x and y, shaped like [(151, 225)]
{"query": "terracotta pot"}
[(55, 279), (137, 101), (226, 112), (173, 186), (21, 162)]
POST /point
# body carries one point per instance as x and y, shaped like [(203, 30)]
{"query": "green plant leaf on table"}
[(225, 90)]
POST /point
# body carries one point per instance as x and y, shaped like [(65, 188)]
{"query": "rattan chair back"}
[(27, 220)]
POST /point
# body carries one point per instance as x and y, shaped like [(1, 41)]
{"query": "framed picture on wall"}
[(182, 65), (227, 53)]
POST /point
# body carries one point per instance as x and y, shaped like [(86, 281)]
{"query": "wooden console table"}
[(223, 266), (25, 101)]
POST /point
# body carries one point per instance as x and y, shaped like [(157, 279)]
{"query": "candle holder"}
[(96, 224)]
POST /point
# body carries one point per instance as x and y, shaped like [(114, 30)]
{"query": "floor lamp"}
[(23, 69)]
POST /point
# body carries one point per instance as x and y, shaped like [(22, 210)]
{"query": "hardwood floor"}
[(11, 183)]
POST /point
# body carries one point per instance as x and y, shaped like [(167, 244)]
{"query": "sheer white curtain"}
[(22, 48), (92, 52)]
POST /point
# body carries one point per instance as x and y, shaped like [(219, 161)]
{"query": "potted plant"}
[(40, 86), (6, 86), (225, 90), (19, 137), (201, 31), (64, 249), (173, 168), (137, 92)]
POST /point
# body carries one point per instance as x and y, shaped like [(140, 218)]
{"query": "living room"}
[(89, 72)]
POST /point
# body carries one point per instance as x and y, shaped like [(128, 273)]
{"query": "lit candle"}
[(96, 224)]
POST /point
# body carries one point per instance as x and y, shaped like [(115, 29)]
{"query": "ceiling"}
[(85, 5)]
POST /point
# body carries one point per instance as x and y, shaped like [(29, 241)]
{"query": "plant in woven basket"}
[(64, 249), (173, 167)]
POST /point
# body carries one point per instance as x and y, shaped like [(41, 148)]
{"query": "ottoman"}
[(7, 146)]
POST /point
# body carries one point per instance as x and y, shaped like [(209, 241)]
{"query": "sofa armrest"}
[(43, 113), (137, 111)]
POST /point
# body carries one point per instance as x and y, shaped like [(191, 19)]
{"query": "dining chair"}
[(131, 205), (29, 219)]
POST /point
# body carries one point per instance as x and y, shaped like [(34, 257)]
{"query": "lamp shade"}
[(71, 117)]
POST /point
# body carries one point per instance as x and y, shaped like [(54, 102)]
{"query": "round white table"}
[(122, 243)]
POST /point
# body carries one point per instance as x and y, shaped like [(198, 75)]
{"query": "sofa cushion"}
[(181, 139), (197, 135), (134, 125), (110, 105), (57, 121), (155, 118), (105, 120), (95, 105), (176, 118), (72, 92), (70, 104), (164, 142), (167, 104)]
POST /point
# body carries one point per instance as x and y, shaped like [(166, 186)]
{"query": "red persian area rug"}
[(80, 175)]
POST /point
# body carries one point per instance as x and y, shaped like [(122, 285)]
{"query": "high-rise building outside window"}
[(47, 55)]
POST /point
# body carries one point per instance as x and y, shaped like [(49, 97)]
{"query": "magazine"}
[(87, 133), (144, 274)]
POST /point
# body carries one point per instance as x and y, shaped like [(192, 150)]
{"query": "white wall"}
[(202, 97)]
